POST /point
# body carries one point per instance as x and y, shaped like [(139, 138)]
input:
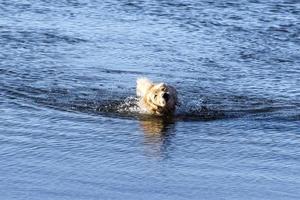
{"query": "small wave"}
[(100, 102), (37, 37)]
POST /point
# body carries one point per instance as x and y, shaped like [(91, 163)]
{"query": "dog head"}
[(161, 96), (158, 98)]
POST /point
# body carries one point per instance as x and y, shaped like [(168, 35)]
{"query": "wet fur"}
[(152, 98)]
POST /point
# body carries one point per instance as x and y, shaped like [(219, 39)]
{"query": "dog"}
[(156, 99)]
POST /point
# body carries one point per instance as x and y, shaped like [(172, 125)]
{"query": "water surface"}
[(70, 127)]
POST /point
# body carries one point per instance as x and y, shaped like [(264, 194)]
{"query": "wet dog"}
[(157, 99)]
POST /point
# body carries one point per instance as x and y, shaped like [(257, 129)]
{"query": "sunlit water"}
[(70, 127)]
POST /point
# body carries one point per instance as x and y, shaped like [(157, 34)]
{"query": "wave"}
[(102, 102)]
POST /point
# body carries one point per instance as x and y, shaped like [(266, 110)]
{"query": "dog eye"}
[(155, 96)]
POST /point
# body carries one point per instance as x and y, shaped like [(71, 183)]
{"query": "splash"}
[(187, 110), (129, 105)]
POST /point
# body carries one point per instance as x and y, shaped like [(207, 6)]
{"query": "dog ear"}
[(174, 92), (142, 86)]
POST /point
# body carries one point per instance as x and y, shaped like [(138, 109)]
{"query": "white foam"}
[(130, 105)]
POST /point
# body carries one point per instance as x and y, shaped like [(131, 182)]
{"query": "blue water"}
[(70, 127)]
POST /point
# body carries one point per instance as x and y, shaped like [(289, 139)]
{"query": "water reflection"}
[(158, 133)]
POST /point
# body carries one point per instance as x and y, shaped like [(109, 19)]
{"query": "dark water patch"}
[(37, 37), (52, 38), (102, 102), (295, 117), (7, 72), (32, 5), (66, 3), (112, 71), (15, 93), (138, 73)]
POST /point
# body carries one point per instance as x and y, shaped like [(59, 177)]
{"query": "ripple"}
[(38, 37), (204, 109), (70, 124)]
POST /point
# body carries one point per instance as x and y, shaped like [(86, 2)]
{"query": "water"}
[(70, 128)]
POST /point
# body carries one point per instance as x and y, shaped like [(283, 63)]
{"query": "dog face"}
[(161, 97), (157, 98)]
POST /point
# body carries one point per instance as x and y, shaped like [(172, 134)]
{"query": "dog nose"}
[(166, 96)]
